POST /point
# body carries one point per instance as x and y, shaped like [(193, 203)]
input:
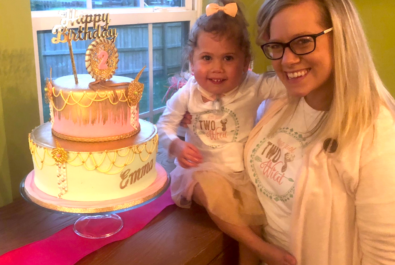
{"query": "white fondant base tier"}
[(94, 171), (44, 200)]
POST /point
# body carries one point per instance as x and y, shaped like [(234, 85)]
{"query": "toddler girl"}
[(222, 97)]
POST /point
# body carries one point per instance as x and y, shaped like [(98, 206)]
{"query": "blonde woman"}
[(323, 159)]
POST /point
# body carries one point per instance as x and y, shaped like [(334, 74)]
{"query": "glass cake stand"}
[(100, 224)]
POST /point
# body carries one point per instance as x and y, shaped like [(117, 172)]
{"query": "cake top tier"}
[(86, 82)]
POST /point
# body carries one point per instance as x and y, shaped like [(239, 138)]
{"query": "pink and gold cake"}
[(95, 150)]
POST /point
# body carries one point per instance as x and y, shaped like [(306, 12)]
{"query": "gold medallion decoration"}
[(101, 59), (135, 90), (59, 155)]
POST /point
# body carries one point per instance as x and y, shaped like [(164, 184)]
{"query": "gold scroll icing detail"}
[(75, 98), (96, 139), (101, 59), (104, 162), (135, 90), (106, 104)]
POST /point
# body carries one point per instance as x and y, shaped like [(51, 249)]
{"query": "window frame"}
[(46, 20)]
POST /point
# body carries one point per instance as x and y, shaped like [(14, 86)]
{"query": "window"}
[(40, 5), (152, 37)]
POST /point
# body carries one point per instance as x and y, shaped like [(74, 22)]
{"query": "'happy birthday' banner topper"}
[(69, 18)]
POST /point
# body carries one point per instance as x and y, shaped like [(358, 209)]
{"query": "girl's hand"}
[(186, 120), (187, 154)]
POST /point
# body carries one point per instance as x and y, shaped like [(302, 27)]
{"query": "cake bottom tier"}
[(93, 171), (42, 199)]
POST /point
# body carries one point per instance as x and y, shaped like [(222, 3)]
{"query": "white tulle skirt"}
[(230, 196)]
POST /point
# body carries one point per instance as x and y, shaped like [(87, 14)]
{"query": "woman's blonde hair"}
[(358, 90)]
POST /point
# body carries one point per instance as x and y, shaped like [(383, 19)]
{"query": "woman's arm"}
[(375, 197)]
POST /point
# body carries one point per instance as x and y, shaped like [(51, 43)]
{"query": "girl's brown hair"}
[(221, 25)]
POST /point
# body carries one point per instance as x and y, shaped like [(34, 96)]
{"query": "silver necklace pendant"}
[(217, 106)]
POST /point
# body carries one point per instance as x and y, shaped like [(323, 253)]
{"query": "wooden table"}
[(175, 236)]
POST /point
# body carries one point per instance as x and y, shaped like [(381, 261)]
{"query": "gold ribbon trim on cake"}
[(104, 162), (101, 59), (96, 139)]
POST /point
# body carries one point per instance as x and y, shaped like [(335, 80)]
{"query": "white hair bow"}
[(229, 9)]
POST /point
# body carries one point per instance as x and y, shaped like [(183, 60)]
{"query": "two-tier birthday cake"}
[(95, 148)]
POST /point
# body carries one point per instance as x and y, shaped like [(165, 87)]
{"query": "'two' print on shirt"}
[(272, 158), (275, 163), (215, 130)]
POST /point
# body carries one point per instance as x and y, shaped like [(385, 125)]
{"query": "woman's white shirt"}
[(274, 166)]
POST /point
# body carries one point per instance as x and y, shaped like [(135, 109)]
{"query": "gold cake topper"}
[(64, 33), (101, 59), (135, 90), (69, 18)]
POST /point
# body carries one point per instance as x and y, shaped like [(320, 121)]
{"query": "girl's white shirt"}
[(220, 137)]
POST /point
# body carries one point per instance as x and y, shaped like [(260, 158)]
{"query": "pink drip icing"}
[(97, 129)]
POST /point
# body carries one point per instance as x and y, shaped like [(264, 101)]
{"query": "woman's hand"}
[(186, 120), (187, 154)]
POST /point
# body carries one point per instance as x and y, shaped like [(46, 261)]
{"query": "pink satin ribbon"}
[(229, 9), (66, 248)]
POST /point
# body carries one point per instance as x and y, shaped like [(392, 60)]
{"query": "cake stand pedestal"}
[(98, 226), (98, 219)]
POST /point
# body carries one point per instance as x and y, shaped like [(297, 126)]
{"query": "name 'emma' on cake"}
[(129, 177)]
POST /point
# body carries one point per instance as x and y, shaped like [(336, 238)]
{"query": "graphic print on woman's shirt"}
[(277, 159), (274, 165), (214, 129)]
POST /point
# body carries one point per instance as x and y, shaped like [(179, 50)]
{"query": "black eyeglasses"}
[(300, 46)]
